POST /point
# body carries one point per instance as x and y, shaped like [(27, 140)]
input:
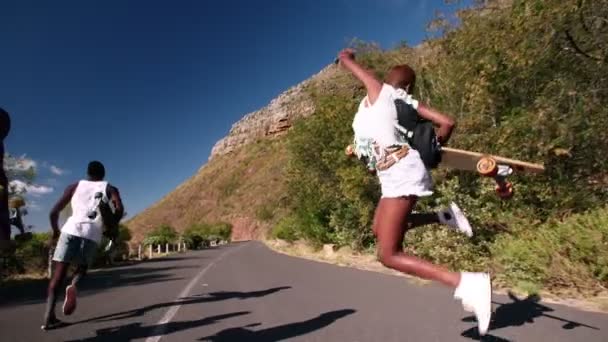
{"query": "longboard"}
[(488, 165), (485, 164)]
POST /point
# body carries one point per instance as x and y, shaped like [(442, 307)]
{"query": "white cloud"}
[(35, 190), (19, 164), (38, 190), (34, 206), (56, 171), (17, 186)]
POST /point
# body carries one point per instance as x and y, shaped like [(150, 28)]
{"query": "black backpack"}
[(420, 134)]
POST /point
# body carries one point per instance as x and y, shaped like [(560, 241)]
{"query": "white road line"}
[(159, 331)]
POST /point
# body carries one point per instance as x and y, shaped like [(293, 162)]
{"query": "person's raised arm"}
[(369, 80)]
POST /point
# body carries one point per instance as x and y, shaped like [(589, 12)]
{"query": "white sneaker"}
[(475, 291), (454, 217)]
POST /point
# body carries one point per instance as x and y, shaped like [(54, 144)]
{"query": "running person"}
[(79, 236), (5, 226), (404, 178)]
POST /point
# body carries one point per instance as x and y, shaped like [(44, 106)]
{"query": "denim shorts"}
[(75, 250)]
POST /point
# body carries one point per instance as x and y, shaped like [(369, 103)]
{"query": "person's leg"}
[(474, 289), (59, 272), (5, 226), (87, 252), (416, 220), (65, 250), (451, 216), (79, 273), (390, 226), (71, 291), (17, 221)]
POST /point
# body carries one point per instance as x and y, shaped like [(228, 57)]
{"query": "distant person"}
[(404, 178), (5, 226), (80, 236)]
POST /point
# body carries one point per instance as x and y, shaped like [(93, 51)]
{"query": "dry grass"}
[(233, 188), (345, 257)]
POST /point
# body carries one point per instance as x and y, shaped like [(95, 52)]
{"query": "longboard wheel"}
[(349, 151), (486, 166), (505, 192)]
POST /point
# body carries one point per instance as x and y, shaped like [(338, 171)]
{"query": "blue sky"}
[(148, 87)]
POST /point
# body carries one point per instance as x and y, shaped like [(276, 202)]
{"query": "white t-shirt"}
[(83, 202), (377, 122)]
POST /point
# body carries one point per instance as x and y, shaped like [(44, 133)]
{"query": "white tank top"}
[(378, 124), (83, 204)]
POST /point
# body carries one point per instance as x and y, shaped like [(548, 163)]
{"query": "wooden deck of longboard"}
[(467, 160)]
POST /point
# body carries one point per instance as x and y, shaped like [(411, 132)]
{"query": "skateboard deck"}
[(488, 165), (485, 164)]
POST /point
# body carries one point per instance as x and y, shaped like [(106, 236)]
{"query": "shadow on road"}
[(517, 313), (170, 258), (280, 332), (210, 297), (34, 291), (133, 331)]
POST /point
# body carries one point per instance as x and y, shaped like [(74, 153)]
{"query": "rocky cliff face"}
[(271, 121), (236, 184)]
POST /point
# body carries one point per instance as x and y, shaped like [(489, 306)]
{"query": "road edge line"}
[(159, 331)]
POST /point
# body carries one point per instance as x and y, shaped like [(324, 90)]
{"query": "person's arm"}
[(372, 85), (445, 123), (59, 206), (114, 196), (5, 124)]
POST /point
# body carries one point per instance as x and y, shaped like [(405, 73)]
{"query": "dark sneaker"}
[(52, 323)]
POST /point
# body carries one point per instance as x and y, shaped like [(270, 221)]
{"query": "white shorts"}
[(408, 177)]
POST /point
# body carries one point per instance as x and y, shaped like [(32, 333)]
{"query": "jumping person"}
[(79, 237), (404, 178), (5, 225)]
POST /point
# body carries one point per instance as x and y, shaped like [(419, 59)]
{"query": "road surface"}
[(246, 292)]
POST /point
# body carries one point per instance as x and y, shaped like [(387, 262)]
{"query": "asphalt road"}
[(246, 292)]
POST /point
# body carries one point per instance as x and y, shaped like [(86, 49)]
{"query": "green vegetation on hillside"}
[(162, 235), (195, 236), (527, 81), (201, 234), (32, 256), (246, 185)]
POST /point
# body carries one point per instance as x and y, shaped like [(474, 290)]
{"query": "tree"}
[(161, 235), (21, 172), (198, 235), (195, 235)]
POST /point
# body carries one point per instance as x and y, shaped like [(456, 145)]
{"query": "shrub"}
[(31, 255), (200, 234), (286, 229), (526, 82), (120, 248), (160, 236)]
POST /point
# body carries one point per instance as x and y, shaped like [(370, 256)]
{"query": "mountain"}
[(241, 182)]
